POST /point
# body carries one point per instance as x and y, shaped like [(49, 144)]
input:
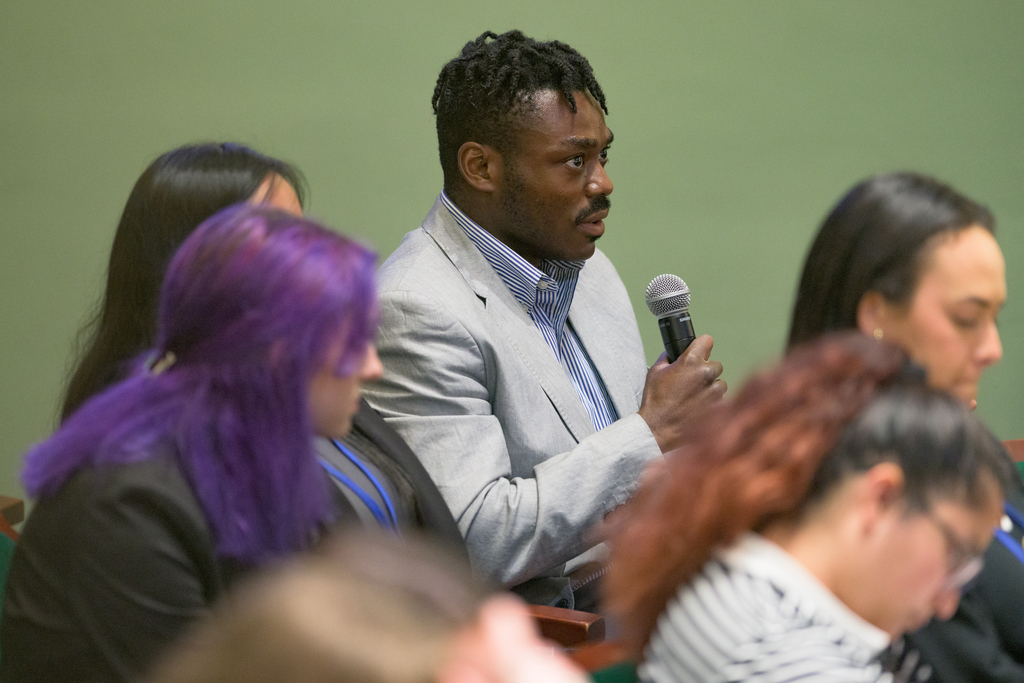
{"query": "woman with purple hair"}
[(377, 480), (158, 492)]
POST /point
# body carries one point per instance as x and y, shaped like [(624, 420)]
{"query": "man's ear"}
[(481, 166)]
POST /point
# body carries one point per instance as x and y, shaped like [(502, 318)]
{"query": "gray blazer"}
[(471, 385)]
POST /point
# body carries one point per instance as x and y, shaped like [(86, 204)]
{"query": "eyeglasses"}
[(963, 562)]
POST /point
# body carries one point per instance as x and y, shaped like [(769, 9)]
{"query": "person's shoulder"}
[(157, 472), (750, 608), (151, 487), (794, 640), (416, 261), (729, 624), (417, 255), (409, 249), (431, 270), (804, 655), (733, 593), (122, 510)]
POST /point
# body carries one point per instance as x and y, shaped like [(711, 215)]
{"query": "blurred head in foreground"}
[(367, 609)]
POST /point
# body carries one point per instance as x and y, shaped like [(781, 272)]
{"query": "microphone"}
[(668, 297)]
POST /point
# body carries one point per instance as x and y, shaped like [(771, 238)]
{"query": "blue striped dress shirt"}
[(547, 297)]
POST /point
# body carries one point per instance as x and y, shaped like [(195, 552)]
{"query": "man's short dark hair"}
[(483, 93)]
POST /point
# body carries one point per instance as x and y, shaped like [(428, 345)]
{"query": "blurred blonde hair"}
[(367, 610)]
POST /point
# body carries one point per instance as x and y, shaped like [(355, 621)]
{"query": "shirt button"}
[(542, 285)]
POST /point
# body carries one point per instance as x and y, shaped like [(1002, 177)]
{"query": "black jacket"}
[(984, 641), (435, 518), (107, 572), (118, 563)]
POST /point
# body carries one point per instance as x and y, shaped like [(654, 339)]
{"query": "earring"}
[(878, 333)]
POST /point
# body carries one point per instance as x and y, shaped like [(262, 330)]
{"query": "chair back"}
[(6, 553), (1015, 447), (7, 530)]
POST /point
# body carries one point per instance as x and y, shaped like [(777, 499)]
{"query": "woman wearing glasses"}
[(834, 504)]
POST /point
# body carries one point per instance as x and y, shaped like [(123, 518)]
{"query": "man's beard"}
[(512, 201), (516, 217)]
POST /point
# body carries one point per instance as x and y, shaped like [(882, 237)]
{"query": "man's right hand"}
[(677, 393)]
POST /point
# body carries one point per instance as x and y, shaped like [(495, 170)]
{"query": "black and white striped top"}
[(756, 614)]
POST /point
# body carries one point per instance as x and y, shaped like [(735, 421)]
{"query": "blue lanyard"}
[(389, 521), (1009, 541)]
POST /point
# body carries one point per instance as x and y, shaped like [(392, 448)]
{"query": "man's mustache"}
[(598, 203)]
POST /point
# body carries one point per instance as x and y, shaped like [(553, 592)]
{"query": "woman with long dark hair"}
[(378, 480), (906, 258), (834, 503), (157, 492), (177, 192), (911, 260)]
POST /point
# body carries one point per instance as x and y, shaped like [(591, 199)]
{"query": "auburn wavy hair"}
[(751, 460)]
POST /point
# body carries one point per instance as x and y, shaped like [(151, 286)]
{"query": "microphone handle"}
[(676, 333)]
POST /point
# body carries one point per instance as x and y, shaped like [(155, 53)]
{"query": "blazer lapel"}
[(511, 319), (436, 515), (599, 334)]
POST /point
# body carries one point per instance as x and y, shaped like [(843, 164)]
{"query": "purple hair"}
[(252, 305)]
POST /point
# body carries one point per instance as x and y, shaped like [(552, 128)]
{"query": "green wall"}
[(737, 125)]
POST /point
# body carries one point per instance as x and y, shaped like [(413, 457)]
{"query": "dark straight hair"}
[(944, 451), (255, 302), (875, 240), (177, 192)]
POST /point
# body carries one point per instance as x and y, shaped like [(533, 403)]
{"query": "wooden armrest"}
[(568, 627), (12, 509), (1015, 447), (596, 656)]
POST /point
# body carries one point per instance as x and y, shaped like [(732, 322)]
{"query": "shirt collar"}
[(519, 275), (758, 556)]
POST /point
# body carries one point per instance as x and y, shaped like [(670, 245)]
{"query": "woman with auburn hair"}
[(834, 503), (911, 260), (159, 491)]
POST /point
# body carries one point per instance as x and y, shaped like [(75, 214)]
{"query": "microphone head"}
[(666, 295)]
